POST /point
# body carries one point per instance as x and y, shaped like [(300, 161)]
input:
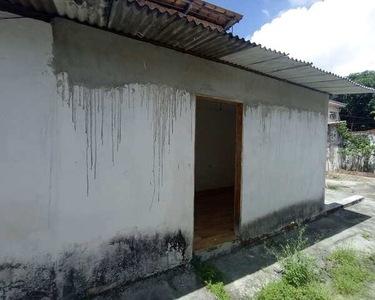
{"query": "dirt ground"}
[(340, 185)]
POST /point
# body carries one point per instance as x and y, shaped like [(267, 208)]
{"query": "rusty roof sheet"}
[(198, 11), (171, 28)]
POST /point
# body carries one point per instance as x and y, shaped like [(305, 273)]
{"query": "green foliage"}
[(212, 278), (366, 78), (283, 291), (358, 146), (346, 274), (358, 108), (333, 186), (295, 245), (298, 267), (299, 270), (366, 235), (349, 272), (300, 280)]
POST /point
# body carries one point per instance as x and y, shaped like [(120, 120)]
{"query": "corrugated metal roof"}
[(181, 33), (303, 73), (199, 11)]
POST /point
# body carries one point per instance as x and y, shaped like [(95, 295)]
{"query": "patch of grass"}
[(300, 280), (366, 235), (349, 272), (212, 278), (333, 186), (284, 291), (299, 270), (333, 176)]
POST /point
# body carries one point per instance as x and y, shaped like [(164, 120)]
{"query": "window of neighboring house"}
[(333, 115)]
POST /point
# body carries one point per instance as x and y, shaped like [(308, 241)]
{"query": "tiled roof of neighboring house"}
[(147, 21)]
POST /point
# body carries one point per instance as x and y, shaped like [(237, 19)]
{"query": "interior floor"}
[(214, 218)]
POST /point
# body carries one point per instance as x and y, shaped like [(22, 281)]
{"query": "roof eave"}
[(132, 19)]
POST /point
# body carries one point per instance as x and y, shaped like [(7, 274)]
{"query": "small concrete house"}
[(334, 108), (136, 133)]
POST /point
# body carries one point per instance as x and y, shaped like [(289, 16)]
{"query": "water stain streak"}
[(164, 105)]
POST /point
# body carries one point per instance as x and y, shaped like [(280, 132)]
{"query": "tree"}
[(357, 112)]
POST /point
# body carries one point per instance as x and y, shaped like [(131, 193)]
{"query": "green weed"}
[(284, 291), (333, 186), (212, 278), (366, 235), (299, 279), (349, 272)]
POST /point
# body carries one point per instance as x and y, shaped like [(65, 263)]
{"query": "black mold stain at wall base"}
[(79, 272), (275, 221)]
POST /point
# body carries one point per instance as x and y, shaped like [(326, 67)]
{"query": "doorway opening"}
[(218, 151)]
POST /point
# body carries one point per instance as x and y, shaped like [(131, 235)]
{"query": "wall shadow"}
[(183, 282)]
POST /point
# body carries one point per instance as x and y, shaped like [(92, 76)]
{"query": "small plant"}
[(300, 280), (299, 269), (333, 186), (212, 278), (349, 272), (366, 235)]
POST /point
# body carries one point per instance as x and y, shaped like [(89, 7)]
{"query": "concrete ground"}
[(246, 270), (339, 186)]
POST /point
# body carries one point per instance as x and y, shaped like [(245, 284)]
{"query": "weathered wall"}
[(98, 164), (334, 143), (284, 125), (96, 183), (215, 144), (283, 167), (333, 113)]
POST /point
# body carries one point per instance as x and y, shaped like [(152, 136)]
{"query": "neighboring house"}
[(334, 108), (334, 141), (134, 134)]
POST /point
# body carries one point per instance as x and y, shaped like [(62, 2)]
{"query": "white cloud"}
[(336, 35), (266, 13)]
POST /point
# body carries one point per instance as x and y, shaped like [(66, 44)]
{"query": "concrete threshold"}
[(346, 202), (230, 247)]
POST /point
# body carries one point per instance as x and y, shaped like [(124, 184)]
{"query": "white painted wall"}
[(136, 176), (28, 131), (66, 187), (82, 165), (215, 145), (283, 161)]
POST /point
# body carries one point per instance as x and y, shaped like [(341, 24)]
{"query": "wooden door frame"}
[(238, 155), (238, 169)]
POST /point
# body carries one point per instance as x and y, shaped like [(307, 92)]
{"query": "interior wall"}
[(215, 143)]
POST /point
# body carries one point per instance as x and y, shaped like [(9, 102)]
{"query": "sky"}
[(335, 35)]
